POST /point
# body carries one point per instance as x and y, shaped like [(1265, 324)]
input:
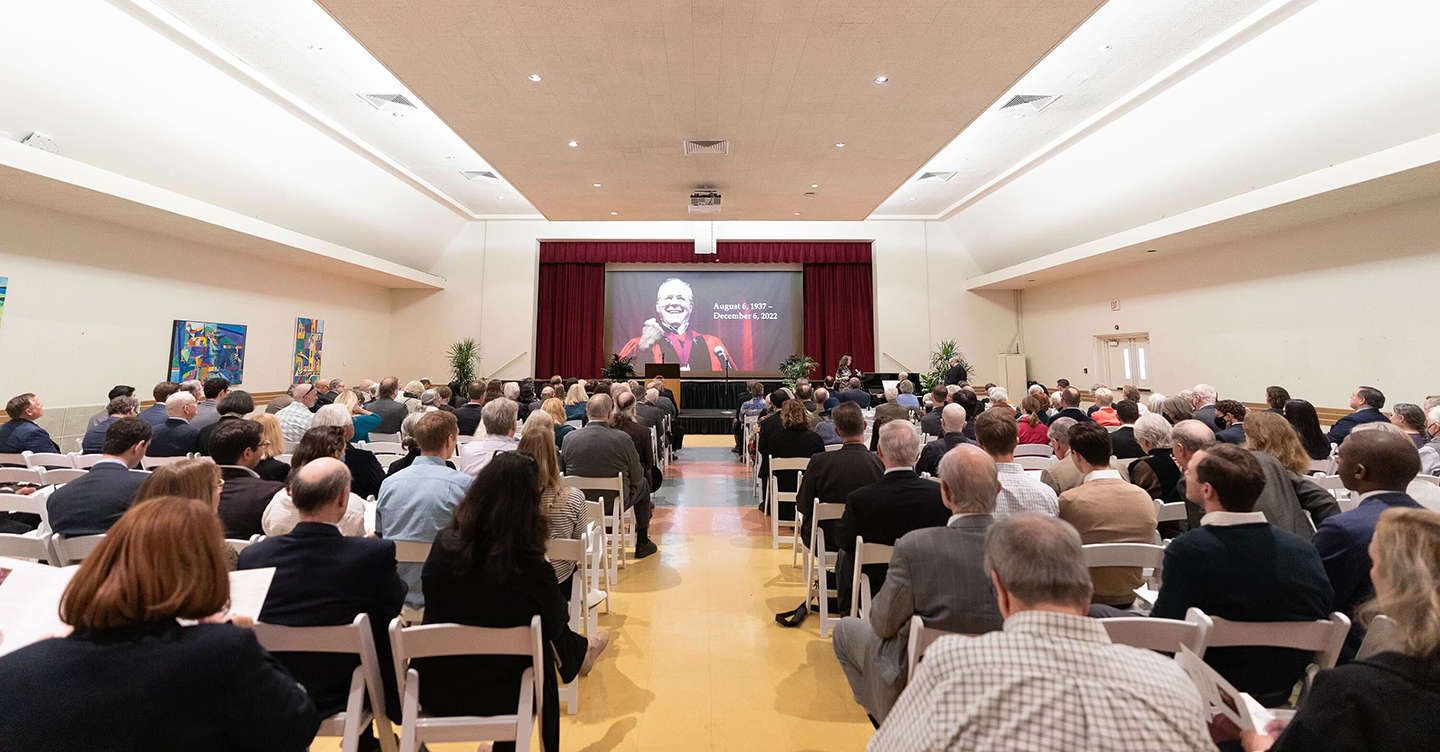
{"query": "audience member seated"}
[(416, 503), (468, 414), (907, 395), (235, 405), (1106, 509), (853, 393), (952, 420), (366, 473), (323, 395), (831, 476), (21, 433), (130, 676), (575, 401), (90, 504), (497, 417), (794, 440), (648, 410), (556, 410), (410, 397), (120, 390), (1177, 409), (1375, 467), (1156, 471), (931, 423), (1020, 491), (176, 437), (1239, 567), (281, 402), (937, 573), (391, 411), (1070, 406), (281, 516), (1051, 680), (488, 569), (1275, 399), (272, 446), (324, 578), (207, 411), (119, 407), (1122, 439), (296, 418), (752, 406), (887, 509), (1430, 453), (1104, 409), (1230, 416), (155, 414), (412, 449), (1387, 701), (562, 506), (623, 418), (1033, 428), (1306, 422), (600, 451), (1202, 406), (236, 446), (1290, 501), (1410, 419), (363, 420), (1063, 475), (1366, 402)]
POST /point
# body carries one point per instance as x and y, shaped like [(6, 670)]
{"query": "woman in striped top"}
[(563, 507)]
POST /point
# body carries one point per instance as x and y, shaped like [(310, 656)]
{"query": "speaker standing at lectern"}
[(668, 338)]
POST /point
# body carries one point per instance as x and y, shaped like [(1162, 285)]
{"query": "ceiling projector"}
[(705, 202)]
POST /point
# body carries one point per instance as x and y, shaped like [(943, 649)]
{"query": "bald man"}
[(1376, 466), (952, 424)]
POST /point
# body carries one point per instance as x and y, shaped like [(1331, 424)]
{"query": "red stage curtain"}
[(570, 337)]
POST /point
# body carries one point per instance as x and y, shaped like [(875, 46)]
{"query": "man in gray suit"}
[(601, 451), (937, 573)]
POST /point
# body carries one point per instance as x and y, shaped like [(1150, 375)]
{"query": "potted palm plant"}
[(797, 367), (940, 363), (464, 356)]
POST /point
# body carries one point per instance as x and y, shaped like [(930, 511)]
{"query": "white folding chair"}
[(353, 638), (383, 447), (583, 617), (778, 497), (1034, 450), (615, 520), (435, 640), (237, 545), (13, 460), (1035, 462), (1379, 637), (150, 463), (393, 438), (22, 546), (386, 460), (54, 477), (1140, 555), (21, 475), (1431, 479), (69, 551), (834, 447), (596, 545), (411, 552), (819, 560), (921, 638), (1325, 637), (1170, 512), (752, 425), (1161, 635), (86, 461), (865, 553), (48, 459), (1336, 487), (34, 544)]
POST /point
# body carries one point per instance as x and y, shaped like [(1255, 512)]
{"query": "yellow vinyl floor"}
[(697, 661)]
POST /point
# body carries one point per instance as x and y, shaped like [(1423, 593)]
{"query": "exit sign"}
[(1114, 305)]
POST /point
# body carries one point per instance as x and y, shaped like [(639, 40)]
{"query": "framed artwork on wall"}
[(200, 350), (308, 335)]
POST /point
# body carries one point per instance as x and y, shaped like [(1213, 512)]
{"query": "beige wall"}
[(1317, 310), (90, 305), (491, 270)]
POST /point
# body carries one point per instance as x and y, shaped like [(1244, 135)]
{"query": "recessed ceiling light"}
[(1019, 115), (882, 79), (614, 213), (597, 185), (814, 185), (534, 76), (501, 198), (574, 144), (912, 198), (840, 145), (1104, 48), (797, 214)]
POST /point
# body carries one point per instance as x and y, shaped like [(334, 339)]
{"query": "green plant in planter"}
[(619, 369), (464, 356), (940, 363), (797, 367)]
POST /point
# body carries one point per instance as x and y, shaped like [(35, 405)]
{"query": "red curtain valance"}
[(683, 252)]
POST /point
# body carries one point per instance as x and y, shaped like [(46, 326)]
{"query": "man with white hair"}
[(1052, 679), (952, 422), (295, 418), (1202, 400), (176, 437), (906, 395), (999, 397), (497, 417), (366, 473), (668, 337), (936, 573), (512, 393), (648, 411), (883, 511)]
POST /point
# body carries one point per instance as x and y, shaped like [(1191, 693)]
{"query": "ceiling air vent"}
[(698, 148), (1031, 102), (478, 175), (388, 102), (934, 177)]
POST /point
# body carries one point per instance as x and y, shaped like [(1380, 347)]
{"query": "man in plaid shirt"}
[(1051, 680)]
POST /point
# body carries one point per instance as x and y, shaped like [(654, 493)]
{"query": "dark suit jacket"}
[(366, 474), (205, 433), (90, 504), (830, 478), (1072, 412), (930, 423), (599, 451), (1123, 444), (858, 396), (323, 578), (391, 413), (1206, 415), (155, 414), (1345, 425), (1251, 572), (157, 686), (882, 512), (789, 443), (468, 416), (1344, 545), (650, 415), (23, 435), (1233, 435), (94, 440), (929, 461), (243, 501), (176, 438), (273, 469), (955, 375), (1385, 702)]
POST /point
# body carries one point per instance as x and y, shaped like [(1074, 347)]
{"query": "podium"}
[(670, 372)]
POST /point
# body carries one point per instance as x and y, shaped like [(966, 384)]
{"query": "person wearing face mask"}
[(668, 338)]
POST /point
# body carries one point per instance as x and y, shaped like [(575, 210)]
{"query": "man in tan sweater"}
[(1106, 509)]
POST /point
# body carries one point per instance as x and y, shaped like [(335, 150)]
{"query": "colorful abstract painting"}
[(200, 350), (4, 285), (308, 333)]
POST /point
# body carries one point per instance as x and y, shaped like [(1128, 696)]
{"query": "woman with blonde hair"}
[(129, 671), (363, 420), (281, 515), (556, 410), (1272, 434), (1387, 700), (411, 396), (563, 507), (575, 400), (272, 445)]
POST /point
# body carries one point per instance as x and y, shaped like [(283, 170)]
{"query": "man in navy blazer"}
[(1376, 465), (176, 437), (89, 505), (1366, 402), (323, 578), (155, 414), (855, 394), (119, 407), (21, 434)]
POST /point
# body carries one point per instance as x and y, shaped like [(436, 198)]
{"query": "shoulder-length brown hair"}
[(793, 414), (163, 559), (1271, 433), (187, 479)]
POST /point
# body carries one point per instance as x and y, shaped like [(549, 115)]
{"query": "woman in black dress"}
[(1303, 418)]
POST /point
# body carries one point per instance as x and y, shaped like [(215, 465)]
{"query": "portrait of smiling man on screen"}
[(668, 338)]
